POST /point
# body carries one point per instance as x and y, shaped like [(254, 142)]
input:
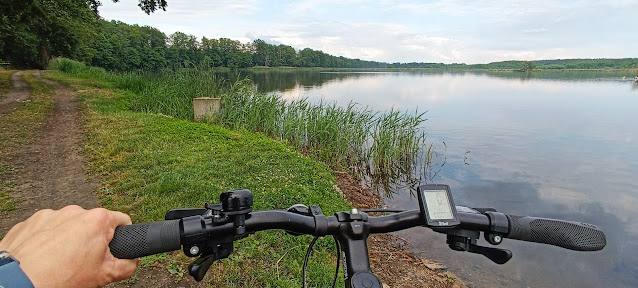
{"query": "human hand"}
[(69, 247)]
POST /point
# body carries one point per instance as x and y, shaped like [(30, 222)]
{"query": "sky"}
[(443, 31)]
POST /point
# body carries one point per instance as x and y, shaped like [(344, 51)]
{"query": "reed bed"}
[(382, 146), (168, 93)]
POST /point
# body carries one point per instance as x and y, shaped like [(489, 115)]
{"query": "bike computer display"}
[(437, 205)]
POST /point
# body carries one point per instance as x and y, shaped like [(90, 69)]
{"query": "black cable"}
[(334, 281), (305, 261)]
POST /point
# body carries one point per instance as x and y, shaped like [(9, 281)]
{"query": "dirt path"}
[(49, 173), (19, 93)]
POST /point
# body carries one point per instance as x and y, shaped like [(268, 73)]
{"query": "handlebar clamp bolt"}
[(493, 239), (194, 250)]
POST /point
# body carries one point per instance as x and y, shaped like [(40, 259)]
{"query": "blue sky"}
[(447, 31)]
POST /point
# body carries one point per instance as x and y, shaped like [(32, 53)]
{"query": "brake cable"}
[(334, 280), (305, 260), (309, 251)]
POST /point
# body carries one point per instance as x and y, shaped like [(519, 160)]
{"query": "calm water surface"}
[(557, 145)]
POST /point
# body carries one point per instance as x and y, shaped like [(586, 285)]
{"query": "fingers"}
[(119, 269), (120, 219), (125, 268), (113, 269)]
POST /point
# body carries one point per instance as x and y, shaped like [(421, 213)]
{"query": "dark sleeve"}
[(11, 276)]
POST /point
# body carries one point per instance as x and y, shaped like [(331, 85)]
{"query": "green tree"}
[(286, 55), (227, 49), (309, 58), (124, 47), (263, 53), (33, 31), (210, 48), (527, 66)]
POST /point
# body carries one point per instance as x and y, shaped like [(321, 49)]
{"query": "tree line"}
[(123, 47), (557, 64)]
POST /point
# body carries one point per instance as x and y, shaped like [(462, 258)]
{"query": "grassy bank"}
[(5, 81), (352, 138), (149, 163), (19, 127)]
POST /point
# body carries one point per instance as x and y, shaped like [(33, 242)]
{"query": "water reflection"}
[(552, 144), (286, 80)]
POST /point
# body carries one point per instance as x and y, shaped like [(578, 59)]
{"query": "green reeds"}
[(397, 143), (168, 93), (383, 146), (172, 94)]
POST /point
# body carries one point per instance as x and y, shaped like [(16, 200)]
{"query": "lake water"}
[(553, 144)]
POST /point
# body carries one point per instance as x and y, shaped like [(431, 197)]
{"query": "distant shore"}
[(467, 69)]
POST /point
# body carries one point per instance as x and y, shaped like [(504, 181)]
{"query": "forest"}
[(123, 47), (33, 32)]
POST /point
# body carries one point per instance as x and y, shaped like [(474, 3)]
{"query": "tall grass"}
[(397, 142), (168, 93), (384, 146)]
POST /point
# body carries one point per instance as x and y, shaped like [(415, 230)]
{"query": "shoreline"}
[(466, 69)]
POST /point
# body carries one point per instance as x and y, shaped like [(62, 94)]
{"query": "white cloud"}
[(185, 8), (396, 43), (535, 30), (409, 31), (369, 41)]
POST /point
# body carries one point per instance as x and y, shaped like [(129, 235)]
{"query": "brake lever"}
[(199, 267), (465, 240), (497, 255)]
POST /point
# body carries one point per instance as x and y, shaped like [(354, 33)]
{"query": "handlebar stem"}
[(354, 231)]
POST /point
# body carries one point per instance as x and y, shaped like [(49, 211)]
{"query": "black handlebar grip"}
[(570, 235), (143, 239)]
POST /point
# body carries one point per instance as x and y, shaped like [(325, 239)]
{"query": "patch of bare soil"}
[(160, 278), (19, 93), (49, 173)]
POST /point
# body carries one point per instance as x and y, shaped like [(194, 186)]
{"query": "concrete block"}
[(205, 107)]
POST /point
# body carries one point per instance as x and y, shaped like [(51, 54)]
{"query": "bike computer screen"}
[(437, 205)]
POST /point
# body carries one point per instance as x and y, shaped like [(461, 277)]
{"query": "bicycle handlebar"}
[(565, 234), (210, 233), (145, 239)]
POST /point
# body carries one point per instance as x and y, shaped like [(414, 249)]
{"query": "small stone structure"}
[(205, 107)]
